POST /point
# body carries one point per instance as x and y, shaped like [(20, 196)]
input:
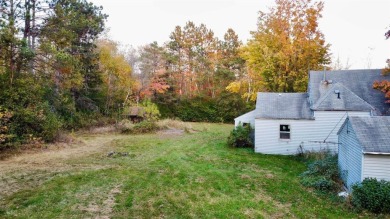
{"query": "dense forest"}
[(60, 71)]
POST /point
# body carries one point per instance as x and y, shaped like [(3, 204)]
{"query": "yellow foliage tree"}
[(285, 47), (116, 74)]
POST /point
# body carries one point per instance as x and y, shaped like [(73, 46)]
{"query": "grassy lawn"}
[(190, 175)]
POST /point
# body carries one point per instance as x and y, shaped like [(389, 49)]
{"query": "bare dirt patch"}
[(104, 209), (282, 210)]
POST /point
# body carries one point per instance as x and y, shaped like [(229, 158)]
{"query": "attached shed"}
[(364, 149), (247, 118)]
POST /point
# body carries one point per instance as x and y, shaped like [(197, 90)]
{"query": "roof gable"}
[(250, 114), (357, 81), (346, 100)]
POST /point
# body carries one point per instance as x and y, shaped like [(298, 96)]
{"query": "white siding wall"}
[(350, 156), (327, 120), (246, 118), (267, 136), (302, 131), (376, 166)]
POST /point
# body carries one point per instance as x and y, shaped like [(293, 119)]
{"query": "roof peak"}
[(339, 97)]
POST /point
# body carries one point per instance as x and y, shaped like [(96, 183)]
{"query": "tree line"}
[(59, 71), (51, 77)]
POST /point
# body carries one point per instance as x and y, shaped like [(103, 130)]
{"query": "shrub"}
[(223, 108), (25, 113), (142, 127), (372, 195), (151, 110), (322, 174), (5, 136), (240, 137)]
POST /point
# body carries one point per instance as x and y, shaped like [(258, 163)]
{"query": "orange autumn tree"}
[(384, 85), (152, 77), (285, 47)]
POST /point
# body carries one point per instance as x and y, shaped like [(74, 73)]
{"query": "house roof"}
[(283, 106), (358, 82), (346, 100), (250, 114), (373, 133)]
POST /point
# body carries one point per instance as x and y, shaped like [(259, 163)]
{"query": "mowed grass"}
[(193, 175)]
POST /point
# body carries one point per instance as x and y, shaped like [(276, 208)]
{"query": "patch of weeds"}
[(310, 155), (142, 128), (173, 124), (322, 174), (151, 126)]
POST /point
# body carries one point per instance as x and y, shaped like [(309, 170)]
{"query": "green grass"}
[(180, 176)]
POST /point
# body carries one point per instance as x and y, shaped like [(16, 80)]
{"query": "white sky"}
[(354, 28)]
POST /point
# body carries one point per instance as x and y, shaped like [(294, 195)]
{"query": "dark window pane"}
[(284, 128), (284, 135)]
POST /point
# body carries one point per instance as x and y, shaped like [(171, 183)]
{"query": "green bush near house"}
[(373, 195), (240, 137), (322, 174)]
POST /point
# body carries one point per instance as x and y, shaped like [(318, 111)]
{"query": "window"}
[(284, 131)]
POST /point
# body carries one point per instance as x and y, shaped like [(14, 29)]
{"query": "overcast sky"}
[(354, 28)]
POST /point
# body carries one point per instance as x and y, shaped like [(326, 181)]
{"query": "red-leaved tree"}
[(384, 85)]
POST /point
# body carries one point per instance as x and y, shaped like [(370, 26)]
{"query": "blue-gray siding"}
[(350, 156)]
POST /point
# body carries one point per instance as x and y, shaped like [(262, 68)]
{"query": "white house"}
[(364, 149), (247, 118), (286, 123)]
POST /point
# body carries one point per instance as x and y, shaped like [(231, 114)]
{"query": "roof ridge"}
[(344, 70)]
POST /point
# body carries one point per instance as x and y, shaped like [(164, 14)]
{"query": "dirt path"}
[(34, 168)]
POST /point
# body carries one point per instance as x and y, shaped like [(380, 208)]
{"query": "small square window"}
[(284, 131)]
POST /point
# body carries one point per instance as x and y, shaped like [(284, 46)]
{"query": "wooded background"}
[(59, 70)]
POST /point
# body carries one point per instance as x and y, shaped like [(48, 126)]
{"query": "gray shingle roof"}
[(283, 106), (348, 100), (372, 132), (357, 81)]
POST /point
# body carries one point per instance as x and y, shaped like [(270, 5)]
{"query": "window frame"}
[(285, 132), (245, 124)]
